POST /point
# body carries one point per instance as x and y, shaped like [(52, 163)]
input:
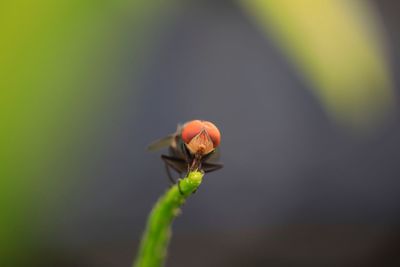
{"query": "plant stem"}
[(153, 247)]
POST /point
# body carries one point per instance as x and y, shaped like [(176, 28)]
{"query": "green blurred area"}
[(59, 65)]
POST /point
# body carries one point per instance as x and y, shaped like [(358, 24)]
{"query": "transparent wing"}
[(161, 143)]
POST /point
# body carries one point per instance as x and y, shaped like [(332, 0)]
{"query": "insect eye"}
[(193, 128), (213, 132)]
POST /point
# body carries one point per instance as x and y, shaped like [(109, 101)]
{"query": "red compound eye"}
[(213, 132), (193, 128)]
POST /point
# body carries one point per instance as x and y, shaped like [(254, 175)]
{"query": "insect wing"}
[(161, 143)]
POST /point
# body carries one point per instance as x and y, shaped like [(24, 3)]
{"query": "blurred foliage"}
[(58, 68), (338, 46)]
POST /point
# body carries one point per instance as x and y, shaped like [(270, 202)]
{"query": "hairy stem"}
[(153, 247)]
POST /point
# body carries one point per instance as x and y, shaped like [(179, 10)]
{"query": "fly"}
[(194, 146)]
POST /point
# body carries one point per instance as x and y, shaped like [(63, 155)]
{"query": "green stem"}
[(153, 247)]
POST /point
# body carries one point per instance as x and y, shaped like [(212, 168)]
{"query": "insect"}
[(192, 147)]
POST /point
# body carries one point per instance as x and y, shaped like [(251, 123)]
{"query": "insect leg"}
[(210, 167), (179, 165), (172, 180)]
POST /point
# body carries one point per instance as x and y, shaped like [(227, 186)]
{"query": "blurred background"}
[(305, 94)]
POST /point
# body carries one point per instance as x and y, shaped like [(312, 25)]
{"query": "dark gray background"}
[(296, 189)]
